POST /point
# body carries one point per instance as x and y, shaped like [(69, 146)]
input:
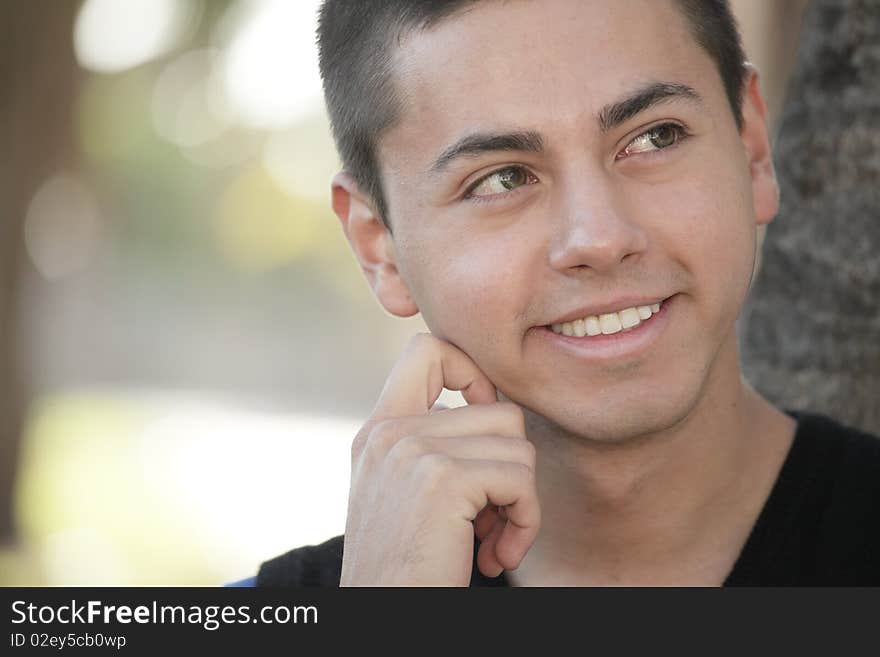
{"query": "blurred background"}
[(187, 346)]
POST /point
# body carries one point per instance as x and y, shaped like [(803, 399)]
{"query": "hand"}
[(423, 481)]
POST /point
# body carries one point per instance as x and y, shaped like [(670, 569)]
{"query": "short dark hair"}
[(355, 38)]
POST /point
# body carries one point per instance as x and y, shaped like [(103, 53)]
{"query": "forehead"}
[(533, 64)]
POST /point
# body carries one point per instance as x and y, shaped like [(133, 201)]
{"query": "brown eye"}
[(511, 178), (654, 139), (503, 180), (663, 136)]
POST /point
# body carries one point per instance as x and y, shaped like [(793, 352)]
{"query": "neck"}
[(674, 505)]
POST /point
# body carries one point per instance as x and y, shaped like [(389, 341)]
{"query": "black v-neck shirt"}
[(820, 525)]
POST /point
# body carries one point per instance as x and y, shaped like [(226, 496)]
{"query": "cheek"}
[(473, 289), (716, 233)]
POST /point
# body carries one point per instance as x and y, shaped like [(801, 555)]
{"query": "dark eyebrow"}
[(531, 142), (614, 114), (476, 144)]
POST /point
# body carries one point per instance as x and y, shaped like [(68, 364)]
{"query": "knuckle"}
[(530, 452), (513, 417), (434, 469), (360, 442), (384, 435), (525, 472), (422, 341), (407, 450)]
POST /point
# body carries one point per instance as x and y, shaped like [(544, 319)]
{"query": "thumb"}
[(426, 367)]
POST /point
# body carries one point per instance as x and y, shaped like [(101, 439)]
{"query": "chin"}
[(611, 421)]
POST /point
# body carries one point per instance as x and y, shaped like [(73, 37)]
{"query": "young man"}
[(568, 191)]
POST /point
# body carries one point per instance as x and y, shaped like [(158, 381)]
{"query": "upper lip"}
[(612, 306)]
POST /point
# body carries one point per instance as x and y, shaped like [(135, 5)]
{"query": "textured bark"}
[(37, 82), (811, 335)]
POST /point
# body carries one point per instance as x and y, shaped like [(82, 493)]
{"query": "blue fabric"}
[(243, 583)]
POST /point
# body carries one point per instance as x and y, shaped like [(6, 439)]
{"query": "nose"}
[(593, 228)]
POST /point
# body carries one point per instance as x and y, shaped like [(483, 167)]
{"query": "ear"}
[(754, 135), (372, 244)]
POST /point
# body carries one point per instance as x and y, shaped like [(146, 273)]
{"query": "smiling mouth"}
[(607, 323)]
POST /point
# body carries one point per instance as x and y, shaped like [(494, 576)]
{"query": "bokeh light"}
[(111, 36), (271, 67), (62, 229)]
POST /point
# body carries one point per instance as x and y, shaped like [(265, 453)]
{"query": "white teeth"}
[(607, 323), (610, 323), (629, 318)]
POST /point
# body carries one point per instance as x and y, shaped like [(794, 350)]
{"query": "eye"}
[(501, 181), (654, 139)]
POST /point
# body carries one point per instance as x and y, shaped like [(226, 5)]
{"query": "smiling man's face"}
[(561, 159)]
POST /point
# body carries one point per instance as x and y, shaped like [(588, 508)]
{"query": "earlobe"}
[(372, 244), (755, 138)]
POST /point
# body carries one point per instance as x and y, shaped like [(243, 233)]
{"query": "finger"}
[(487, 561), (511, 485), (485, 520), (427, 365), (436, 408), (497, 419), (478, 431), (513, 544), (407, 450)]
